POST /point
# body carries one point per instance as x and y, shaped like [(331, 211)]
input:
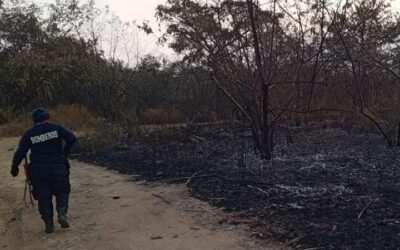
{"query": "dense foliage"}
[(55, 58), (270, 64)]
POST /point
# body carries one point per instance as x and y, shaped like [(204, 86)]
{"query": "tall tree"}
[(252, 53)]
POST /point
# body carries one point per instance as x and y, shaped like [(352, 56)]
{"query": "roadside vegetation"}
[(283, 112)]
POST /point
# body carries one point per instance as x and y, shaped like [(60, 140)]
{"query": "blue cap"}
[(40, 115)]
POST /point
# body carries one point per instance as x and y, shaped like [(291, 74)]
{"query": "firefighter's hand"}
[(14, 171)]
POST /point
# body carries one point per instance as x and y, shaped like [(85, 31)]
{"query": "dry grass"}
[(104, 134), (96, 131), (161, 115), (74, 117), (16, 125)]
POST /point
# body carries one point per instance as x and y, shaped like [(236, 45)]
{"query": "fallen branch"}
[(162, 198), (295, 240), (190, 177), (396, 221), (193, 176), (365, 208), (259, 190), (197, 139)]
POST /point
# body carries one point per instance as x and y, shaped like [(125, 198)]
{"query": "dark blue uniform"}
[(50, 145)]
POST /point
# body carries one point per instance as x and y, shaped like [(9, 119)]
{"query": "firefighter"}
[(48, 171)]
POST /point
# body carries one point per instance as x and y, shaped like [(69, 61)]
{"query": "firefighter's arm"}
[(69, 139), (23, 147)]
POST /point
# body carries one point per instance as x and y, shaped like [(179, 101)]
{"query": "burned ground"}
[(328, 189)]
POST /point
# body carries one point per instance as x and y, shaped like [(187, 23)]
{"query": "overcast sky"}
[(144, 9), (140, 10), (132, 9)]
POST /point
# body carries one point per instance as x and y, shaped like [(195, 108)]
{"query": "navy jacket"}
[(48, 142)]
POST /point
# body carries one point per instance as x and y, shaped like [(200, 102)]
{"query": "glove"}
[(14, 171)]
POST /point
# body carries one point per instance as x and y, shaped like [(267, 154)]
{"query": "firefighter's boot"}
[(49, 225), (62, 218)]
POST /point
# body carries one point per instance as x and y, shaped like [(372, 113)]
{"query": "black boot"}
[(62, 218), (49, 225)]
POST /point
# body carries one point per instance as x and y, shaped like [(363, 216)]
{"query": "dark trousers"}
[(50, 180)]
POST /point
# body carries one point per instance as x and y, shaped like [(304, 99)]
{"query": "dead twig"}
[(197, 139), (232, 99), (295, 240), (365, 208), (162, 198), (395, 221), (259, 190), (193, 176)]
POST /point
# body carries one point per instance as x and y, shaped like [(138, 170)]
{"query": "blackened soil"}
[(327, 190)]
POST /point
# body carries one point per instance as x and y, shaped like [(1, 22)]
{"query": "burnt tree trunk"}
[(265, 147), (398, 134)]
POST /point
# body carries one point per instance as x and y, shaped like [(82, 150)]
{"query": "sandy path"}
[(109, 212)]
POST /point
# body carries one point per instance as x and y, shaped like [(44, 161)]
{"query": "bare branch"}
[(232, 99)]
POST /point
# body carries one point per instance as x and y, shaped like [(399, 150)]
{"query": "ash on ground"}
[(327, 189)]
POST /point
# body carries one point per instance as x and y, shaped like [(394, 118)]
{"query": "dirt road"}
[(109, 212)]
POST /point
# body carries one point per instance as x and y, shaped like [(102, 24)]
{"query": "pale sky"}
[(129, 10), (144, 9), (140, 10)]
